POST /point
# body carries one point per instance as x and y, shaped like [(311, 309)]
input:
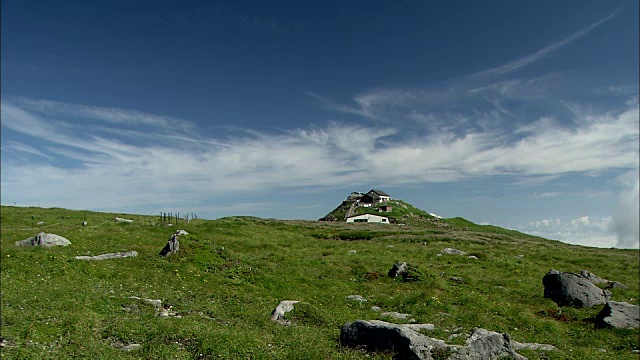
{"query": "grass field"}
[(231, 273)]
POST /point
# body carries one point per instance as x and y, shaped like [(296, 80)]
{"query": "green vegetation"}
[(231, 273)]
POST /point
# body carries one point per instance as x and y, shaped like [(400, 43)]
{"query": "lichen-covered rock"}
[(569, 289), (619, 315), (44, 240)]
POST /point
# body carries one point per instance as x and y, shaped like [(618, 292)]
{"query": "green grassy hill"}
[(231, 273)]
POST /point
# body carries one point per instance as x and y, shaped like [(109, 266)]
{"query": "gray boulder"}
[(619, 315), (397, 269), (44, 240), (569, 289), (408, 343)]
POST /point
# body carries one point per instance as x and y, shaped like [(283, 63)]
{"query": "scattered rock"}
[(84, 223), (407, 343), (163, 311), (473, 257), (131, 347), (397, 269), (376, 308), (181, 232), (519, 256), (456, 279), (156, 303), (119, 219), (172, 246), (397, 316), (569, 289), (44, 240), (353, 252), (356, 298), (450, 251), (619, 315), (40, 223), (123, 347), (616, 285), (118, 255), (284, 307)]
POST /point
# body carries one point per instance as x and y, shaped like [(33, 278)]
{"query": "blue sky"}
[(517, 114)]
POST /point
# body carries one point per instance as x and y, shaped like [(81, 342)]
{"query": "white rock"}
[(109, 256), (123, 220), (44, 240)]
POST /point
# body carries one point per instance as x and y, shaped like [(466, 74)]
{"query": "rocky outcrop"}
[(619, 315), (569, 289), (408, 343), (44, 240)]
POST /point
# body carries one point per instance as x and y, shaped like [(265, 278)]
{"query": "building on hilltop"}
[(368, 218), (379, 196)]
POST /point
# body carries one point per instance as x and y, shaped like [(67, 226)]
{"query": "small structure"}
[(379, 196), (368, 218), (385, 208)]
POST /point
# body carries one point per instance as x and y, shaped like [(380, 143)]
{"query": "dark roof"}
[(379, 192)]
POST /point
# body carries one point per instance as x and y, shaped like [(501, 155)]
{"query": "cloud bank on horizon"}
[(493, 124)]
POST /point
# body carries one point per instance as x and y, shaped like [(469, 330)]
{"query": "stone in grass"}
[(397, 269), (619, 315), (569, 289), (357, 298), (44, 240), (171, 247), (290, 312), (118, 255), (408, 272), (451, 251), (278, 314)]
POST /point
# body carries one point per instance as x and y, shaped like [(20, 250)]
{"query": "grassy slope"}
[(54, 306)]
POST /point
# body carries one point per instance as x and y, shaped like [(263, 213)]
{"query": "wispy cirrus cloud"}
[(541, 53), (117, 168)]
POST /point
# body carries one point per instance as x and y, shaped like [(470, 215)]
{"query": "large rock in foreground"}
[(569, 289), (44, 240), (619, 315), (409, 344)]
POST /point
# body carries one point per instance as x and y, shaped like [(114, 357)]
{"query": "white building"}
[(368, 218)]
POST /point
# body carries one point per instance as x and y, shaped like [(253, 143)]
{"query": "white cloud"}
[(580, 231), (626, 219), (88, 164)]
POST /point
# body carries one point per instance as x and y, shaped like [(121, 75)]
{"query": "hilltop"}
[(379, 203), (230, 273)]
